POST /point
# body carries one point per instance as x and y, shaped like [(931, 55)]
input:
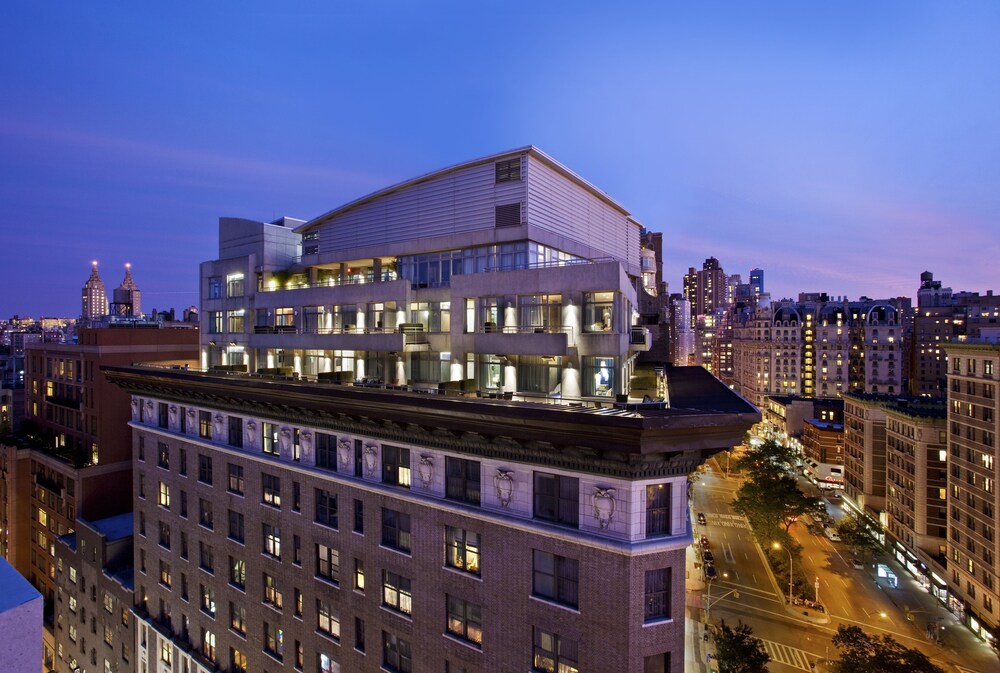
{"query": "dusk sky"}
[(844, 147)]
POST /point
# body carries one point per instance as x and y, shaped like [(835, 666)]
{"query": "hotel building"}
[(506, 274), (412, 448)]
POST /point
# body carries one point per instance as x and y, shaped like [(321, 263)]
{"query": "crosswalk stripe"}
[(786, 654)]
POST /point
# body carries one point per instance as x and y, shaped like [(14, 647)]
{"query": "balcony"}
[(522, 340), (347, 338)]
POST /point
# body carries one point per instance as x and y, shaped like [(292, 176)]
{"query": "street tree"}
[(767, 458), (738, 651), (864, 653), (858, 536), (773, 502)]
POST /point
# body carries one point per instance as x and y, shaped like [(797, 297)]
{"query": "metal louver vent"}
[(508, 215)]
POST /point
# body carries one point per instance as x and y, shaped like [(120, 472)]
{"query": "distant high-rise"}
[(943, 316), (757, 281), (707, 289), (127, 297), (94, 297)]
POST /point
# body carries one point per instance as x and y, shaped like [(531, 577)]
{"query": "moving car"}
[(701, 518), (704, 542), (832, 534), (856, 562)]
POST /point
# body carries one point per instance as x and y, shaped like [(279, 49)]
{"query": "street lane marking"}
[(788, 655)]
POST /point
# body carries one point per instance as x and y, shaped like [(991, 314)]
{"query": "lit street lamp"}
[(777, 545), (709, 603)]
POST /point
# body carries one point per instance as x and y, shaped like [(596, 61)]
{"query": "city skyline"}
[(837, 148)]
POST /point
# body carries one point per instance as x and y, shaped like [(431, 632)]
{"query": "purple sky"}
[(843, 147)]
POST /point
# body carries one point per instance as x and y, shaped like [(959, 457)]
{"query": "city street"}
[(745, 590)]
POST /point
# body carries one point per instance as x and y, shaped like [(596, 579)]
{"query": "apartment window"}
[(166, 652), (359, 634), (556, 578), (328, 563), (396, 530), (657, 663), (272, 596), (238, 573), (326, 508), (215, 287), (359, 458), (657, 596), (271, 490), (327, 619), (271, 443), (461, 550), (237, 659), (359, 574), (557, 498), (508, 170), (552, 653), (162, 415), (163, 455), (325, 663), (296, 497), (165, 579), (396, 592), (326, 451), (206, 557), (465, 620), (208, 600), (215, 322), (272, 540), (462, 480), (205, 517), (184, 545), (396, 654), (359, 517), (205, 424), (164, 535), (183, 467), (236, 432), (236, 483), (205, 469), (236, 531), (658, 509), (164, 495), (396, 466), (598, 376), (274, 641), (598, 311), (234, 285)]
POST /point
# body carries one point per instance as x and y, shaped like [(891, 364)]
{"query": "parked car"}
[(711, 572), (708, 557), (832, 534), (704, 542), (701, 518), (856, 562)]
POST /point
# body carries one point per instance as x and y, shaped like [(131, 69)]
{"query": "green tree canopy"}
[(768, 458), (738, 651), (864, 653), (855, 533), (773, 502)]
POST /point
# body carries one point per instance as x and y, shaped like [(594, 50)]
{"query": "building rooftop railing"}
[(617, 405), (390, 276)]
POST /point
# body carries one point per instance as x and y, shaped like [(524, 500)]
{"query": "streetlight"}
[(777, 545), (709, 603)]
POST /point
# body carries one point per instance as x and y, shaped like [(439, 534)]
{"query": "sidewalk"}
[(696, 648)]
